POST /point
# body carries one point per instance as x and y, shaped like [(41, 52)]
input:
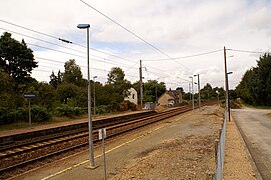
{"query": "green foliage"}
[(39, 113), (66, 110), (73, 74), (55, 80), (151, 88), (255, 86), (16, 59)]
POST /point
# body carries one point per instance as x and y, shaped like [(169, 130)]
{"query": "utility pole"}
[(192, 94), (141, 84), (199, 91), (227, 99)]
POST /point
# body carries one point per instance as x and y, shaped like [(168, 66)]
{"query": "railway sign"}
[(29, 95), (102, 134)]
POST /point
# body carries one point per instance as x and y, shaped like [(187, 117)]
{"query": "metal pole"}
[(29, 112), (141, 84), (226, 85), (91, 148), (193, 96), (199, 93), (94, 98), (105, 178), (190, 91)]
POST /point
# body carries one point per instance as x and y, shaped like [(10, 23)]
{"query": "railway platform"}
[(180, 147)]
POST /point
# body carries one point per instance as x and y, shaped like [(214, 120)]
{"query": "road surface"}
[(255, 127)]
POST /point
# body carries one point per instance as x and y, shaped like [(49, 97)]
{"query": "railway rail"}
[(30, 152)]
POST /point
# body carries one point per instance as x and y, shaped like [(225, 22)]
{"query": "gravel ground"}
[(185, 157)]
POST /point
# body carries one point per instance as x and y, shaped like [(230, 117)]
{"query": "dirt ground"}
[(185, 157)]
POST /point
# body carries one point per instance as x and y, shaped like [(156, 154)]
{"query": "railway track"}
[(25, 154)]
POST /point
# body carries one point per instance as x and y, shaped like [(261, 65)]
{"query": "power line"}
[(189, 56), (41, 40), (246, 51), (55, 50), (126, 29), (64, 40)]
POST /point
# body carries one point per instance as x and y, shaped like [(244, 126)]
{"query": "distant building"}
[(133, 96), (170, 98)]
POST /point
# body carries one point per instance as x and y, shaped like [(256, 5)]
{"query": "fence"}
[(220, 149)]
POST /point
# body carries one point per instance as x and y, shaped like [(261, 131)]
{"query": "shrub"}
[(66, 110), (103, 109), (8, 116), (40, 113)]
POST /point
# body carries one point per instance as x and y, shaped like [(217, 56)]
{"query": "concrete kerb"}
[(245, 142)]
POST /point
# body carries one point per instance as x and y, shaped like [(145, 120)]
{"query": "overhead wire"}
[(64, 40), (188, 56), (246, 51), (126, 29)]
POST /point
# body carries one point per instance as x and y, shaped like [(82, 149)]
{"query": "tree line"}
[(65, 94), (255, 86)]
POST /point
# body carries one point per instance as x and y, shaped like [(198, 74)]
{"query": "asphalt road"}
[(255, 127)]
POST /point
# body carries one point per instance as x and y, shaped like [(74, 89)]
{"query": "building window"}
[(133, 96)]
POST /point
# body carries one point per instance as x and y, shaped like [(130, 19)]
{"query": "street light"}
[(91, 148), (192, 94), (227, 84), (228, 99), (198, 91), (94, 96)]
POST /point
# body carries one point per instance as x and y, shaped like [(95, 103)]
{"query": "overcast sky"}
[(177, 28)]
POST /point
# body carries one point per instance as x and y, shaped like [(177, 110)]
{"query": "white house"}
[(133, 96)]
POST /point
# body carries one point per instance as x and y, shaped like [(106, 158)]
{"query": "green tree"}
[(16, 59), (255, 86), (119, 85), (150, 89), (55, 80), (73, 74)]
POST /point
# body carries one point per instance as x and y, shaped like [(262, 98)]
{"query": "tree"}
[(16, 59), (117, 82), (255, 86), (55, 80), (150, 89), (73, 73)]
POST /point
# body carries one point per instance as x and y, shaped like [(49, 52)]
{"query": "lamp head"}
[(83, 26)]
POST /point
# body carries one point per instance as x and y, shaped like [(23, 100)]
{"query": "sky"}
[(168, 36)]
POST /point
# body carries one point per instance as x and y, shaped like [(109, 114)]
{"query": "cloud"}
[(176, 27)]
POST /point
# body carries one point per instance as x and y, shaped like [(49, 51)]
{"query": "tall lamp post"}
[(94, 95), (192, 94), (91, 148), (227, 85), (198, 91)]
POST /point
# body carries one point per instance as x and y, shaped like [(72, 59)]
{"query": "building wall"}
[(163, 100), (133, 96)]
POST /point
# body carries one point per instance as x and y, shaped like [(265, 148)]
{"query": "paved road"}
[(255, 126)]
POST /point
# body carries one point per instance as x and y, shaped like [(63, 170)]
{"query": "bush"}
[(40, 113), (103, 109), (8, 116), (66, 110)]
